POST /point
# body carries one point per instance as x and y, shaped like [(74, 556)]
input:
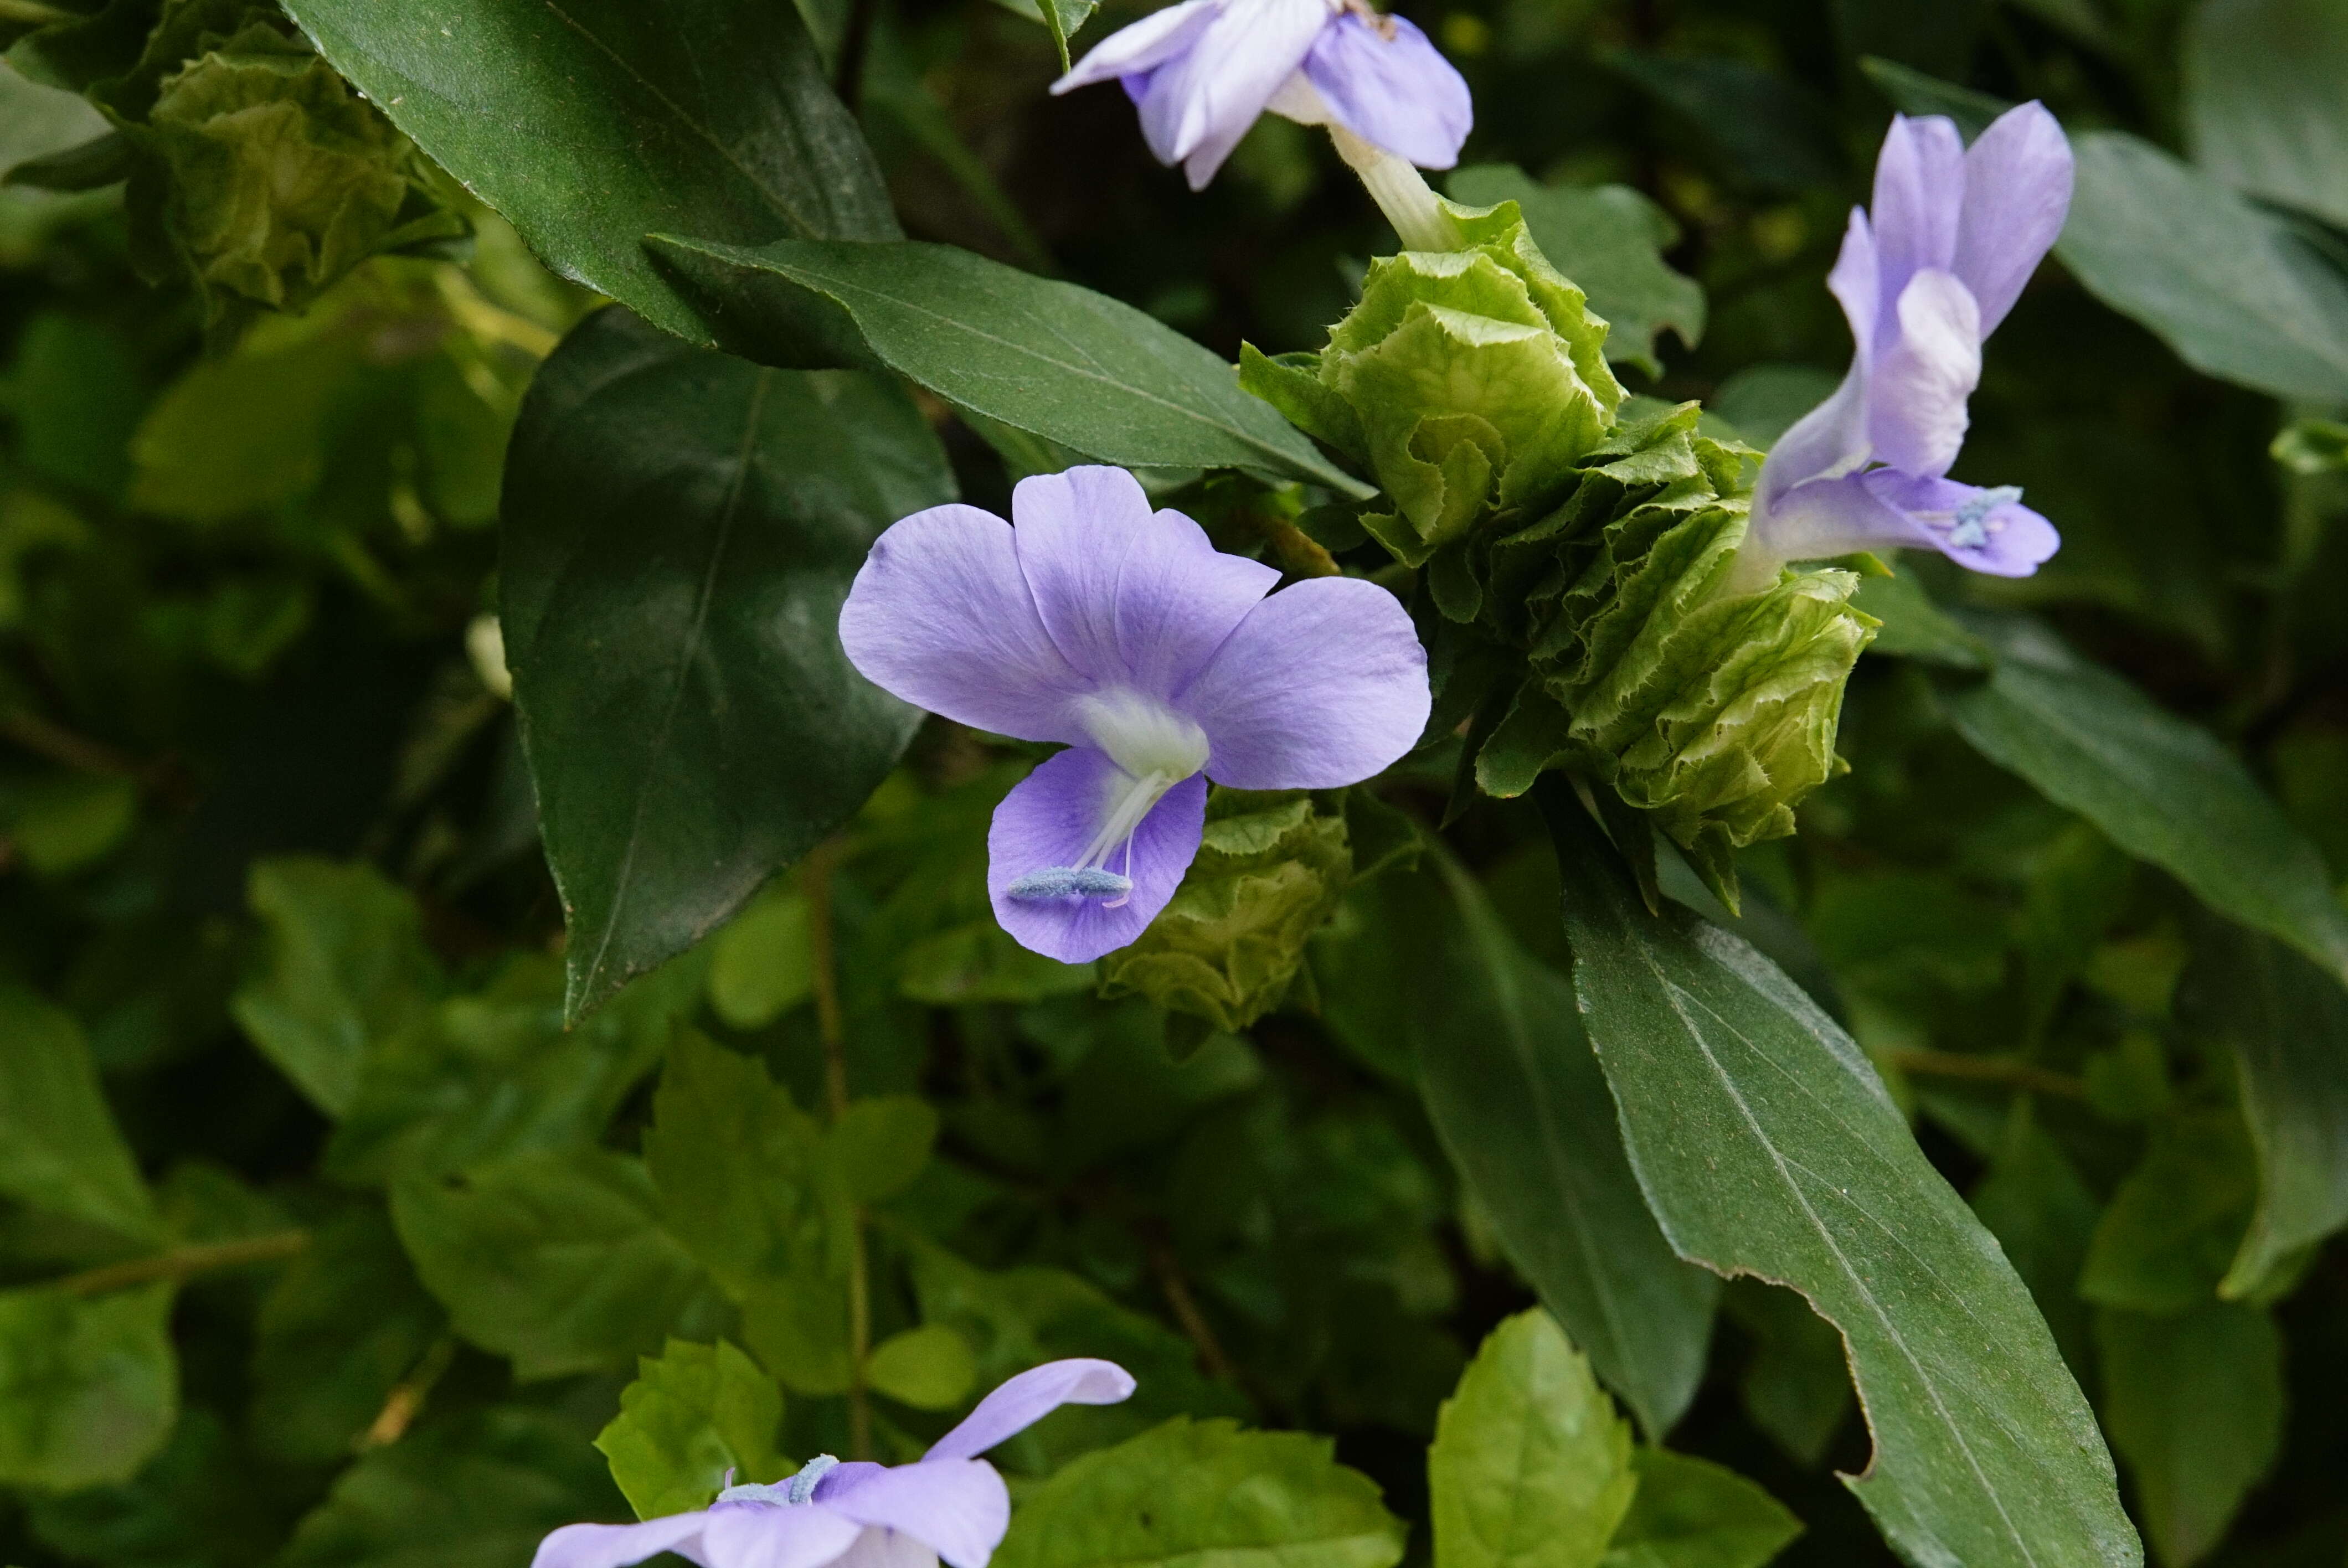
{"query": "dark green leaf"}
[(99, 161), (1765, 1144), (1519, 1100), (1193, 1491), (2165, 1240), (2286, 1022), (59, 1149), (557, 1260), (2262, 100), (1049, 358), (478, 1492), (345, 1322), (695, 1415), (1609, 240), (2161, 789), (2195, 1404), (1772, 132), (2042, 1213), (594, 123), (1690, 1513), (691, 723), (343, 965), (1531, 1467), (89, 1388), (193, 1505), (1797, 1387)]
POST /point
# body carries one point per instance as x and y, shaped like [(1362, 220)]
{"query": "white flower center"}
[(1142, 735), (1154, 748)]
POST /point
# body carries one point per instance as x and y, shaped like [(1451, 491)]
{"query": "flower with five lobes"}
[(950, 1503), (1158, 661), (1202, 70), (1926, 275)]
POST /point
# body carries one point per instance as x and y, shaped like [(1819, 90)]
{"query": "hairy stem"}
[(1401, 193), (185, 1262)]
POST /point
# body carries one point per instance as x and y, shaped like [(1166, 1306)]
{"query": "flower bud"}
[(1715, 712), (1468, 382), (1227, 948)]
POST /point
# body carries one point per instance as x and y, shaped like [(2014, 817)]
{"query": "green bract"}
[(1467, 381), (1269, 873), (1715, 713)]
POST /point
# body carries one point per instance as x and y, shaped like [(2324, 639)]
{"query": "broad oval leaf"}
[(1049, 358), (88, 1390), (1199, 1492), (2195, 1403), (2162, 789), (1519, 1100), (2286, 1022), (2263, 98), (681, 528), (60, 1148), (1766, 1145), (593, 123)]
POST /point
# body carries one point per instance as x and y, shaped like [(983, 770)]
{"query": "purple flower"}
[(1954, 235), (1157, 661), (1201, 71), (950, 1503)]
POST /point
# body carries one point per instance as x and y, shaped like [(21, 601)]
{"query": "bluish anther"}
[(1070, 882), (801, 1487), (1972, 530)]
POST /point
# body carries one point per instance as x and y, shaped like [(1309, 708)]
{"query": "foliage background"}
[(272, 866)]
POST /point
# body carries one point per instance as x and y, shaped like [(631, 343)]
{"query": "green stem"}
[(2005, 1069), (1401, 193), (832, 1026), (185, 1262)]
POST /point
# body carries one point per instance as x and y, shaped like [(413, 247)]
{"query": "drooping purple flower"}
[(1158, 661), (1924, 277), (1202, 70), (947, 1504)]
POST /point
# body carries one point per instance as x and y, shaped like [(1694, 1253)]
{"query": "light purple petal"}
[(617, 1545), (1828, 441), (959, 1507), (844, 1475), (1988, 531), (1199, 104), (1920, 186), (940, 615), (1395, 92), (1834, 518), (1020, 1403), (761, 1535), (1048, 819), (1918, 386), (1857, 281), (1151, 42), (1132, 598), (1323, 684), (2017, 192), (878, 1548)]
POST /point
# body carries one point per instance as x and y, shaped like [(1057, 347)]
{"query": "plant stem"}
[(1401, 193), (406, 1400), (182, 1263), (2004, 1070), (817, 880)]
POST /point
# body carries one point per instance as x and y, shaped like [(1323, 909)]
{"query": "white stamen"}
[(1154, 748)]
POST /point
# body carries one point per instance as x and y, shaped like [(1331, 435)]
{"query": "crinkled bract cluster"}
[(1469, 383), (1229, 947), (1715, 713)]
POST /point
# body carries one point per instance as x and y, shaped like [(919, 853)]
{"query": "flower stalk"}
[(1401, 193)]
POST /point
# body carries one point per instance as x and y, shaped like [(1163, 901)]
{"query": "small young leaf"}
[(879, 1146), (1531, 1467), (930, 1367), (60, 1148), (697, 1419), (1192, 1490), (89, 1388), (760, 967), (1690, 1513), (555, 1259), (344, 966)]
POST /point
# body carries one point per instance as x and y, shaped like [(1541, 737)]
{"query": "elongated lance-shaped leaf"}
[(1766, 1145), (1049, 358), (1516, 1094), (592, 123), (2162, 789), (681, 528)]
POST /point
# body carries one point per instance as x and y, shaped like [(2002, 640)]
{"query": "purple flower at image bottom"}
[(1158, 661), (1925, 275), (1201, 71), (949, 1504)]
